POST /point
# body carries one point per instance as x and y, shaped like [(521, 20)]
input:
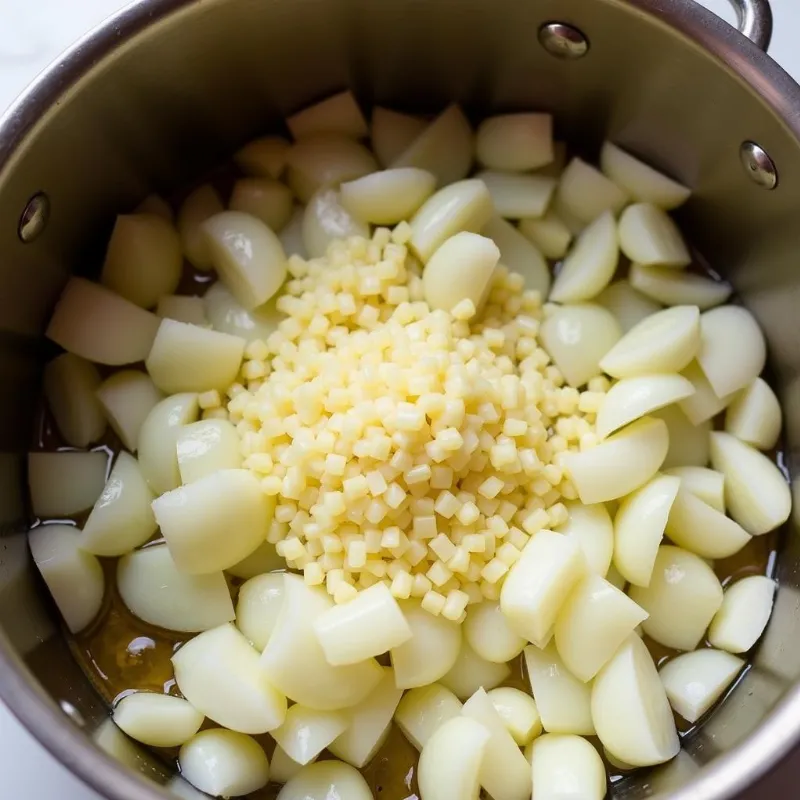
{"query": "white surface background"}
[(31, 35)]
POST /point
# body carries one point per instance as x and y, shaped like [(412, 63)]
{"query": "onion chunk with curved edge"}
[(707, 484), (207, 446), (423, 710), (549, 234), (565, 768), (70, 383), (258, 606), (338, 113), (325, 220), (182, 308), (703, 404), (157, 720), (389, 196), (689, 445), (673, 287), (585, 193), (67, 482), (199, 206), (519, 254), (518, 196), (127, 397), (517, 142), (626, 304), (325, 780), (393, 132), (470, 672), (282, 768), (264, 157), (648, 236), (591, 528), (518, 712), (74, 578), (227, 315), (755, 416), (306, 732), (488, 633), (743, 615), (267, 200)]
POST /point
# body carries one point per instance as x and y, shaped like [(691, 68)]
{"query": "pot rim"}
[(731, 772)]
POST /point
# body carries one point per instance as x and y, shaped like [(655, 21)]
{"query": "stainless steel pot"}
[(160, 91)]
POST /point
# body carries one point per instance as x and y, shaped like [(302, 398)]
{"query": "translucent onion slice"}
[(756, 492), (622, 463), (585, 193), (549, 234), (393, 132), (199, 206), (677, 288), (96, 324), (155, 591), (263, 559), (703, 404), (127, 397), (563, 700), (227, 315), (682, 598), (470, 672), (518, 196), (336, 114), (664, 342), (258, 606), (423, 710), (626, 304), (755, 416), (292, 235), (689, 445), (247, 255), (121, 519), (267, 200), (590, 526), (630, 708), (264, 157), (74, 578), (695, 681), (640, 180), (518, 712), (143, 260), (282, 768), (577, 338), (213, 523), (182, 308), (590, 264), (157, 720), (156, 205), (647, 235), (325, 780), (306, 732), (567, 766), (445, 148), (70, 384), (326, 219), (207, 446), (519, 254), (389, 196), (744, 614), (707, 484), (488, 633), (516, 142), (639, 527), (65, 483)]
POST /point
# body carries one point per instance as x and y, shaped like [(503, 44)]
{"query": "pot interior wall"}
[(173, 99)]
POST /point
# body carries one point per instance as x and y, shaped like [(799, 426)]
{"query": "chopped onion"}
[(306, 732), (647, 235), (707, 484), (489, 634), (591, 528), (626, 304), (326, 219), (585, 193), (744, 613), (549, 234), (518, 196), (282, 768), (127, 397), (336, 114), (517, 142), (689, 445), (393, 132), (389, 196), (264, 157), (567, 766), (207, 446), (755, 416), (292, 235), (423, 710), (470, 672), (518, 712), (678, 288), (519, 254), (258, 606), (267, 200), (227, 315), (65, 483), (157, 720), (182, 308), (199, 206), (326, 780), (702, 405)]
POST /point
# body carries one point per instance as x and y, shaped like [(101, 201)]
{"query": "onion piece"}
[(258, 607), (121, 518), (227, 315), (518, 196), (267, 200), (519, 254), (648, 236), (755, 416), (516, 142), (549, 234), (157, 720), (423, 710), (567, 766), (689, 445), (157, 206), (389, 196), (70, 383), (155, 591), (585, 193), (518, 712), (74, 578), (182, 308), (744, 614), (615, 578), (207, 446), (470, 672), (282, 768), (630, 708), (336, 114), (96, 324), (591, 528), (264, 157), (756, 492), (707, 484), (263, 559), (695, 681), (306, 732), (703, 404), (325, 780), (199, 206), (67, 482), (292, 235), (127, 397), (393, 132), (682, 598), (488, 633), (678, 288), (326, 219), (626, 304)]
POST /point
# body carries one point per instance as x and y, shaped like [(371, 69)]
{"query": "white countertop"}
[(31, 35)]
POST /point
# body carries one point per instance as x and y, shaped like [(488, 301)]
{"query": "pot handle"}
[(754, 18)]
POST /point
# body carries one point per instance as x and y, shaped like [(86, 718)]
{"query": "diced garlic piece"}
[(224, 763), (470, 672), (664, 342), (199, 206), (292, 234), (214, 522), (263, 559), (626, 304), (264, 157), (620, 464), (707, 484), (519, 254), (74, 578), (70, 384), (516, 142), (207, 446), (647, 235), (682, 598), (538, 584), (423, 710), (518, 712), (563, 700), (488, 633), (639, 527), (282, 768), (143, 260), (121, 519), (127, 397), (267, 200), (306, 732), (462, 206), (389, 196), (295, 662), (182, 308), (158, 435), (227, 315), (590, 264), (703, 405), (504, 772), (630, 708), (65, 483), (393, 132), (549, 234), (591, 528), (445, 148), (431, 651), (689, 445), (567, 767), (732, 350), (755, 416), (585, 193), (452, 759), (744, 613), (577, 338), (247, 255), (518, 196), (156, 205), (756, 492), (695, 681), (461, 268), (368, 625), (336, 114), (678, 288), (369, 723), (188, 358), (96, 324), (157, 720), (258, 606), (155, 591), (324, 780), (640, 180), (325, 219)]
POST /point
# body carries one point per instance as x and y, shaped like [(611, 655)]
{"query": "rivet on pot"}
[(758, 165), (563, 41), (72, 713), (34, 218)]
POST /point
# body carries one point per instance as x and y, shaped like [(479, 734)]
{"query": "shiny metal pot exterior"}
[(165, 88)]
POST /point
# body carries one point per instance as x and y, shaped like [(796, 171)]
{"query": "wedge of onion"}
[(258, 607), (626, 304), (585, 193), (755, 416), (488, 633), (306, 732), (516, 142), (648, 236), (567, 766), (264, 157), (199, 206), (227, 315), (470, 672), (326, 219), (393, 132), (336, 114), (519, 254), (590, 526), (157, 720), (678, 288), (423, 710), (549, 234), (182, 308), (325, 780), (518, 712), (518, 196), (267, 200), (707, 484), (207, 446), (744, 614), (127, 397), (389, 196)]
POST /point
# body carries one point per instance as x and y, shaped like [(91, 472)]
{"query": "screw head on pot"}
[(34, 218), (563, 41), (758, 165)]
